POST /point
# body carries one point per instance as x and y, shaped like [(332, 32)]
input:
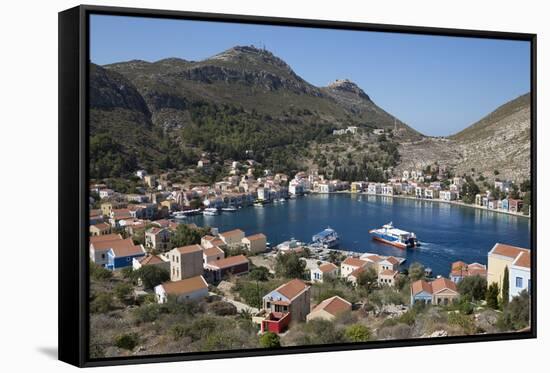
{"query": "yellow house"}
[(100, 229), (500, 257), (255, 243)]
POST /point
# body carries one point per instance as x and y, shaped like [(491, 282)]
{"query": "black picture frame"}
[(73, 188)]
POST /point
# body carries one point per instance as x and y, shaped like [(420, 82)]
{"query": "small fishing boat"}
[(394, 236), (229, 209), (211, 211)]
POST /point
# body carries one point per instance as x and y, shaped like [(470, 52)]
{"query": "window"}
[(519, 282)]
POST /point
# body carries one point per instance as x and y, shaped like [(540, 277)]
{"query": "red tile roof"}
[(189, 249), (523, 260), (255, 237), (292, 288), (211, 251), (507, 250), (150, 260), (231, 261), (105, 237), (333, 305), (234, 232), (354, 262), (442, 283), (185, 286), (420, 286), (327, 267), (388, 272)]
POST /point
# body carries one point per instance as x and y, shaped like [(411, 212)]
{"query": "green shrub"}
[(146, 313), (270, 340), (99, 273), (357, 333), (123, 290), (127, 341), (222, 308), (102, 303)]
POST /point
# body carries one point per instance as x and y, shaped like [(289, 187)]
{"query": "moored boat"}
[(327, 238), (229, 209), (211, 211), (394, 236)]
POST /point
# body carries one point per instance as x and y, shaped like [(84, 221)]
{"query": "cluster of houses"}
[(191, 267)]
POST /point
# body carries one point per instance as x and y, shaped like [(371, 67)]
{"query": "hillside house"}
[(440, 291), (189, 289), (289, 302), (256, 243), (186, 262), (460, 270), (323, 271), (158, 239), (500, 257), (219, 269), (329, 309)]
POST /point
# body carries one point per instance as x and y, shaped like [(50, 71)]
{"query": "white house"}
[(323, 271), (351, 264), (520, 274), (374, 188), (192, 288), (447, 195)]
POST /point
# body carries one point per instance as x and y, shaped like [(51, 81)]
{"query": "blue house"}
[(120, 256), (421, 291), (504, 205)]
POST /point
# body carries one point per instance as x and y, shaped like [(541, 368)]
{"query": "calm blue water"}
[(447, 233)]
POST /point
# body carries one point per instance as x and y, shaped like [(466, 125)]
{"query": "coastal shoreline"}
[(455, 203)]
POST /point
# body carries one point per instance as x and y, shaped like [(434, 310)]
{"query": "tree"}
[(417, 271), (505, 286), (491, 295), (259, 274), (123, 290), (470, 190), (473, 287), (517, 313), (290, 266), (368, 278), (357, 333), (151, 276), (184, 236), (270, 340)]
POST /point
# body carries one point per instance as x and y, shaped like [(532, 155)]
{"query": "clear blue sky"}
[(438, 85)]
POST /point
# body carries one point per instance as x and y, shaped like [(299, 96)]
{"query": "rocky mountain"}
[(496, 146), (251, 78), (247, 99)]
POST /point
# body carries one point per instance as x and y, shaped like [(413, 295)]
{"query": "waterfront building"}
[(500, 257), (431, 193), (387, 190), (515, 205), (419, 192), (504, 204), (374, 188), (255, 243), (460, 270), (186, 262), (447, 195), (329, 309), (192, 288), (232, 237), (323, 271)]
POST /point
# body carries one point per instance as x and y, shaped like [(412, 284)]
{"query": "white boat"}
[(394, 236), (211, 211), (229, 209)]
